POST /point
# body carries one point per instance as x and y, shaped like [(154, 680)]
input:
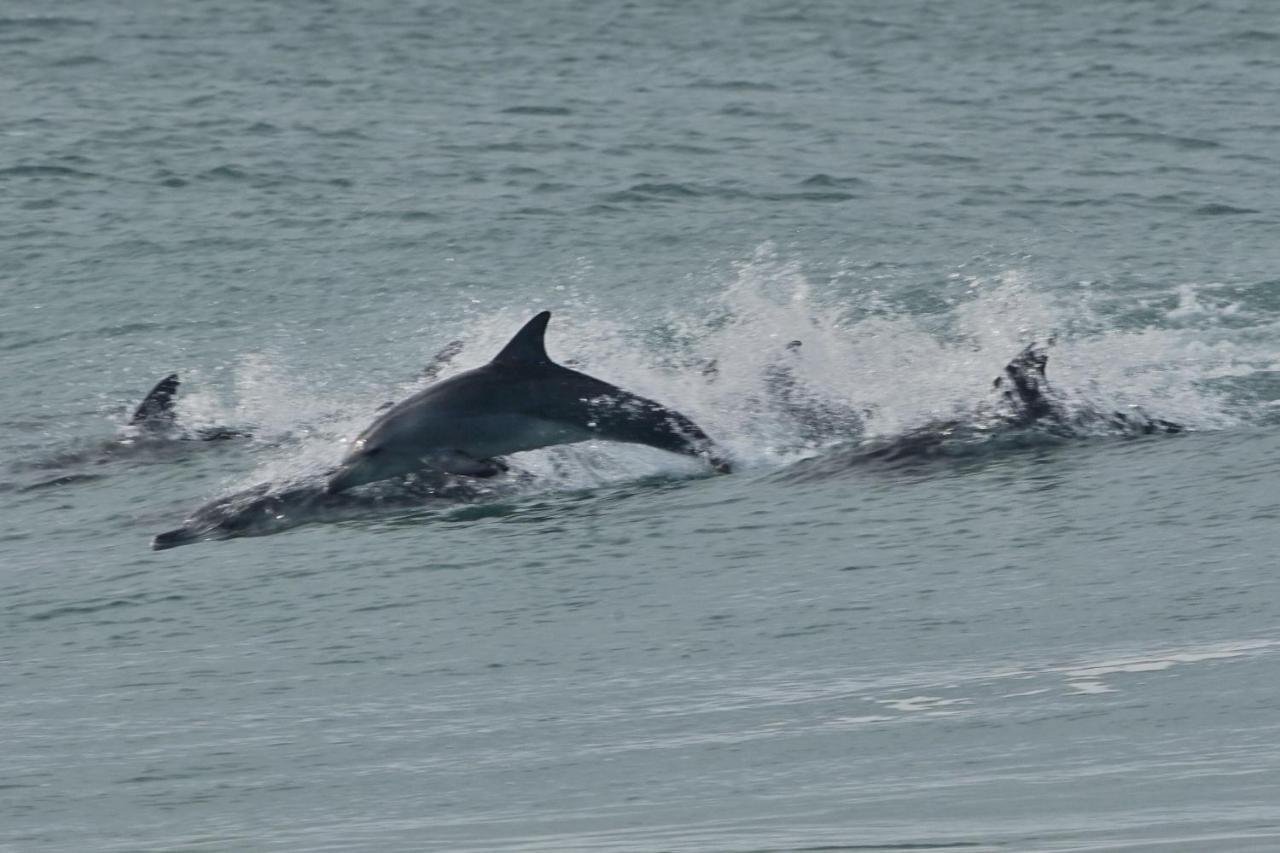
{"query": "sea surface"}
[(1052, 644)]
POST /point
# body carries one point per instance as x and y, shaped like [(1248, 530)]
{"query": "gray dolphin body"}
[(155, 418), (265, 509), (1027, 407), (521, 400)]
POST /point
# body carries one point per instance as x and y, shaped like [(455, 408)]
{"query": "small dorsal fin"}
[(528, 346), (1025, 387), (156, 409)]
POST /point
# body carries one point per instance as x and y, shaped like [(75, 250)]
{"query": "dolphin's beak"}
[(173, 538)]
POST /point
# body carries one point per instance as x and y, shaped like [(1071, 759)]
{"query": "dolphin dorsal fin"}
[(528, 346), (157, 408)]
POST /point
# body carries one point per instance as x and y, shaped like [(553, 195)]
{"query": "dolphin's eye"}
[(372, 451)]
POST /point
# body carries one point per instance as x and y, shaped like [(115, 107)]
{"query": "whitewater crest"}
[(780, 367), (786, 371)]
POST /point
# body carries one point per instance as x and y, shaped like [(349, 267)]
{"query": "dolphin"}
[(155, 412), (154, 431), (1024, 388), (266, 508), (155, 417), (1026, 405), (521, 400), (1029, 401)]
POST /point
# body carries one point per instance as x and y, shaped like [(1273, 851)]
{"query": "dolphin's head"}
[(201, 527), (252, 512), (174, 538), (370, 459)]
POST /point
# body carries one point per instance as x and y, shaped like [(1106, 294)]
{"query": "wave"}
[(867, 368), (792, 375)]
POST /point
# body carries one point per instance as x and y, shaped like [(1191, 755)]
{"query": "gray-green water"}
[(1063, 646)]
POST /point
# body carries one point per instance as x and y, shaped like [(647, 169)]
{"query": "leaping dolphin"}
[(521, 400)]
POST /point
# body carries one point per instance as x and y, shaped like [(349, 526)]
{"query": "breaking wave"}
[(864, 368)]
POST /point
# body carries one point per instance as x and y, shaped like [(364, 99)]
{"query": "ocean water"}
[(1023, 645)]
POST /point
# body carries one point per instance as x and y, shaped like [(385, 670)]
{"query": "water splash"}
[(864, 368)]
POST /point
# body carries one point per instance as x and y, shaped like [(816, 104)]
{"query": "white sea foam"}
[(718, 358)]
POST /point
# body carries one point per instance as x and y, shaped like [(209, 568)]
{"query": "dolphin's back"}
[(521, 400), (611, 413), (535, 405)]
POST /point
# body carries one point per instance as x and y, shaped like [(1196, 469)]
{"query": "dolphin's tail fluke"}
[(156, 409)]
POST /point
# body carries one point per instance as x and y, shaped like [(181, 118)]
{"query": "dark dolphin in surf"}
[(521, 400), (154, 432), (155, 416), (1026, 406), (269, 508), (1028, 400), (266, 508)]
